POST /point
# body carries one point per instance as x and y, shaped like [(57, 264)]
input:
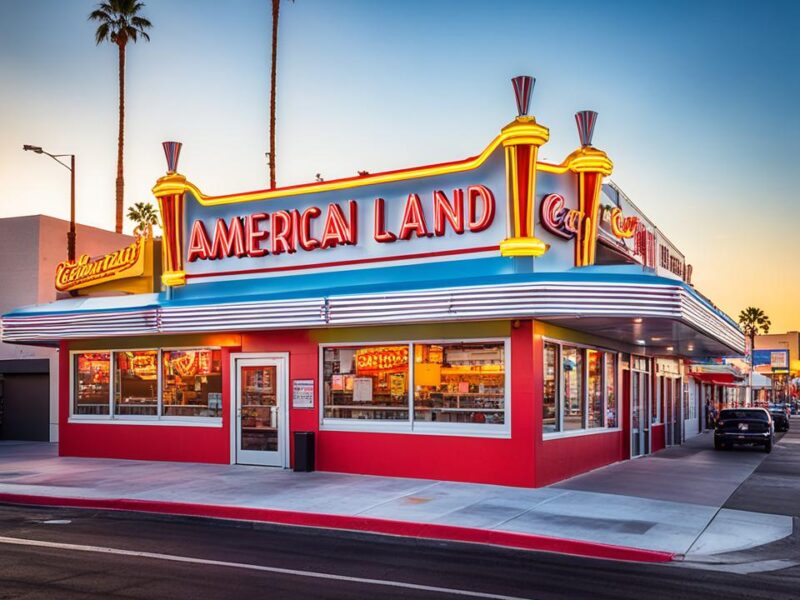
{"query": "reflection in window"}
[(550, 399), (366, 382), (594, 368), (192, 383), (136, 383), (611, 390), (459, 383), (579, 389), (92, 370), (572, 376)]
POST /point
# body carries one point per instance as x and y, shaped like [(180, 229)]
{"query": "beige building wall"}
[(30, 249), (780, 341)]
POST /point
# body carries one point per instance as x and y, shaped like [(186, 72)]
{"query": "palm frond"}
[(102, 33)]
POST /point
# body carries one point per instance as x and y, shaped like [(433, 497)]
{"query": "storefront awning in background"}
[(724, 374), (716, 378)]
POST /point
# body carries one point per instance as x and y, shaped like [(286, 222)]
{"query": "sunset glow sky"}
[(697, 104)]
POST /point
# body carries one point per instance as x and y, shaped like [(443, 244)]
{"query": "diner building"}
[(497, 319)]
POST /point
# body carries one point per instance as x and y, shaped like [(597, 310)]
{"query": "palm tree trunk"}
[(276, 6), (120, 138)]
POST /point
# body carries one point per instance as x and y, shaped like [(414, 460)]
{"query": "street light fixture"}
[(71, 168)]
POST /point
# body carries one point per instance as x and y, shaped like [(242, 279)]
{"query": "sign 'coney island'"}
[(486, 206)]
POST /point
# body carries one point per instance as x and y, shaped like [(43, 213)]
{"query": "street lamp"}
[(71, 168)]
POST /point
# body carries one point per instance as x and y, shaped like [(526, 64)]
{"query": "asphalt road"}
[(774, 487), (189, 551)]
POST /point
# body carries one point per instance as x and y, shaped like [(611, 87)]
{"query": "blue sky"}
[(697, 104)]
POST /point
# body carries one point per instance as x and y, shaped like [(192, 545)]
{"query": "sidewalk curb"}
[(430, 531)]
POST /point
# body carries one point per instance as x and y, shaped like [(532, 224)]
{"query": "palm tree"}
[(145, 216), (753, 320), (120, 23), (276, 8)]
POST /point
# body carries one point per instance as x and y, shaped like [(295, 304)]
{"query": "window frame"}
[(158, 418), (411, 425), (585, 430)]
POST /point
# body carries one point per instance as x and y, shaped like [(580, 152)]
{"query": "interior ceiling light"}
[(637, 320)]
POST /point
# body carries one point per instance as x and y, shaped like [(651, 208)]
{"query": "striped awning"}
[(530, 299)]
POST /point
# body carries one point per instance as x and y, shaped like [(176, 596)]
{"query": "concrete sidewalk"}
[(670, 502)]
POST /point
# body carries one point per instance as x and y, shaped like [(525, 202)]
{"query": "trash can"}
[(304, 451)]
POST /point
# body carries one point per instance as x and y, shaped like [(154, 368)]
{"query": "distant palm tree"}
[(145, 216), (276, 9), (120, 23), (753, 320)]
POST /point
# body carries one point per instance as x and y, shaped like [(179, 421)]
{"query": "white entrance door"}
[(261, 428)]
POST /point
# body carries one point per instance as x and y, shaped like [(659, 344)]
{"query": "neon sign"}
[(623, 228), (381, 358), (558, 219), (289, 231), (87, 271)]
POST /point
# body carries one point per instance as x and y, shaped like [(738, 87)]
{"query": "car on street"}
[(751, 426), (780, 419)]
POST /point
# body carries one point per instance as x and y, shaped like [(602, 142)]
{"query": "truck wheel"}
[(718, 445)]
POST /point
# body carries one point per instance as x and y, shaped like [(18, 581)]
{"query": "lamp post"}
[(71, 168)]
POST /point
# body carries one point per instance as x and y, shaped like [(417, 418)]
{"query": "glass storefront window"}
[(191, 383), (550, 397), (459, 383), (611, 390), (136, 383), (366, 382), (572, 376), (594, 370), (580, 389), (92, 377)]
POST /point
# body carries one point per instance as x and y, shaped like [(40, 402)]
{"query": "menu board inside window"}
[(92, 378), (366, 382)]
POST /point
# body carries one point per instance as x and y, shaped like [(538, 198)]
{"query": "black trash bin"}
[(304, 451)]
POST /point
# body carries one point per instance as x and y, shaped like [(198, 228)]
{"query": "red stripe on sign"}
[(344, 263)]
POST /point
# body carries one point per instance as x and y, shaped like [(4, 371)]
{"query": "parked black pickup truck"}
[(752, 426)]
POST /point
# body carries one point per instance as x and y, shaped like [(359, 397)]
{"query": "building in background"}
[(777, 356), (30, 249)]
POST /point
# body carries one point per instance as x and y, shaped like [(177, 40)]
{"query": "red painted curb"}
[(433, 531)]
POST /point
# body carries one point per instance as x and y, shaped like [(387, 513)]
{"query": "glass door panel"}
[(259, 422), (259, 409)]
